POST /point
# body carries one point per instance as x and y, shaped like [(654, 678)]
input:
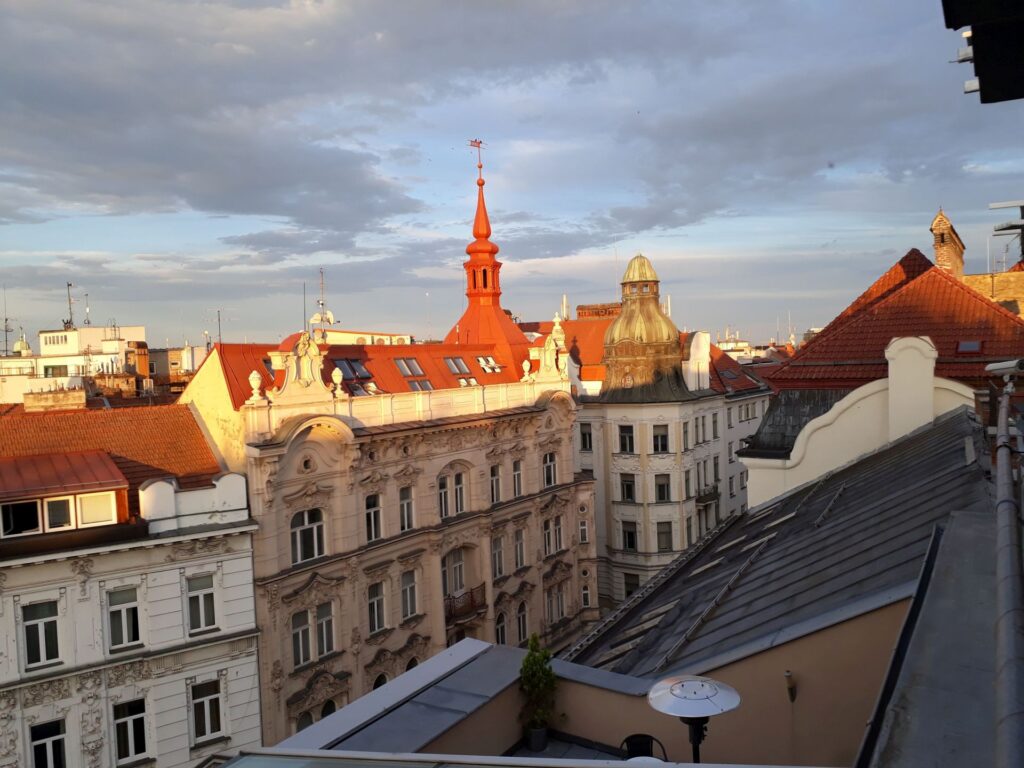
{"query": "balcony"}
[(470, 602), (708, 494)]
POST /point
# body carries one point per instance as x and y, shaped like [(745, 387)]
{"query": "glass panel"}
[(20, 518), (122, 596), (58, 513), (197, 583), (39, 611), (96, 509)]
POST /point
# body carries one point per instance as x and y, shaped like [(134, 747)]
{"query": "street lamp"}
[(693, 700)]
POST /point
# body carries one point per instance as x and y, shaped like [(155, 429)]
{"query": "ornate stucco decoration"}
[(181, 550), (82, 568), (551, 441), (46, 692), (8, 732), (321, 686), (560, 571), (315, 590), (303, 365), (495, 453), (517, 451), (393, 663), (557, 503), (132, 672), (411, 558), (271, 598), (312, 494), (373, 482), (408, 473)]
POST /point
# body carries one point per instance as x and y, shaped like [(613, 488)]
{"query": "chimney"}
[(949, 248), (55, 400)]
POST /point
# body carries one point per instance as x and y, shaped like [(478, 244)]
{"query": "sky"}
[(173, 159)]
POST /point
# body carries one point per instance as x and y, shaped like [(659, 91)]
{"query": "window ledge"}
[(126, 648), (522, 570), (138, 763), (203, 632), (41, 667), (411, 621), (499, 580), (209, 742)]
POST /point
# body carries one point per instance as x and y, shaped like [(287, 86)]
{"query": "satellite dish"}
[(693, 700)]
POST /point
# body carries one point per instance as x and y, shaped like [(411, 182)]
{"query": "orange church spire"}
[(481, 224)]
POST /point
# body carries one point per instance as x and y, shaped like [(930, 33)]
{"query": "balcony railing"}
[(708, 494), (469, 602)]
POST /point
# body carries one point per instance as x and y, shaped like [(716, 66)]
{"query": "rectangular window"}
[(373, 531), (715, 465), (324, 629), (558, 533), (556, 603), (97, 509), (522, 623), (55, 371), (728, 416), (206, 719), (375, 606), (488, 365), (460, 493), (60, 513), (201, 614), (686, 435), (688, 482), (420, 385), (661, 438), (665, 536), (130, 730), (743, 479), (517, 478), (585, 596), (495, 483), (732, 486), (40, 622), (630, 583), (689, 531), (48, 744), (408, 366), (442, 495), (300, 638), (714, 426), (625, 438), (584, 532), (732, 451), (405, 508), (408, 594), (627, 487), (703, 429), (550, 473), (628, 536), (586, 437), (20, 518), (453, 573), (662, 488), (549, 538), (497, 557), (456, 365), (123, 610), (520, 539)]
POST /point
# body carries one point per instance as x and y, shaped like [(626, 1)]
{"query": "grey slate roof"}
[(843, 545), (789, 412)]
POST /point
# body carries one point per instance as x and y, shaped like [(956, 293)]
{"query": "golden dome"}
[(639, 270)]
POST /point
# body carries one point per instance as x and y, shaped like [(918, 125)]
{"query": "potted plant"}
[(537, 682)]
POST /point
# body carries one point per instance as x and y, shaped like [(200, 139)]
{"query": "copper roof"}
[(53, 474)]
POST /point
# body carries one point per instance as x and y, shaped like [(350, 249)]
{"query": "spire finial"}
[(481, 224)]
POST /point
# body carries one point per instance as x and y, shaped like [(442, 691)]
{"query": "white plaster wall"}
[(169, 508)]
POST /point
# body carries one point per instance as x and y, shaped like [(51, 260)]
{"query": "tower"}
[(484, 322), (949, 248)]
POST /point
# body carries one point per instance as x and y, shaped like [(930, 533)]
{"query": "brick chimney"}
[(55, 400), (949, 248)]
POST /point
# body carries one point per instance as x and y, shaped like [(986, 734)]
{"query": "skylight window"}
[(457, 365), (488, 365), (420, 385), (729, 374), (352, 369), (467, 381), (968, 346), (408, 366)]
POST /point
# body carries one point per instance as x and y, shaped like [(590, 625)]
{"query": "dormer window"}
[(352, 369), (488, 365), (969, 347), (408, 366), (456, 365), (31, 516)]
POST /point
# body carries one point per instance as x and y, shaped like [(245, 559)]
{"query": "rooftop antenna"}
[(7, 326), (693, 700), (1012, 226), (69, 324), (304, 315), (87, 320), (324, 316)]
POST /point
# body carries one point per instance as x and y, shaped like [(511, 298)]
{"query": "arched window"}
[(453, 573), (307, 535), (485, 278), (305, 720), (499, 629), (521, 624), (413, 663), (327, 709), (381, 680), (474, 278)]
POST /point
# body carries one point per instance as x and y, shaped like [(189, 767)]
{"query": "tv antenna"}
[(87, 320), (69, 324), (693, 700), (8, 329), (1014, 227), (323, 316)]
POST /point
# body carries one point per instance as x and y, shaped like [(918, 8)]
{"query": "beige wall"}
[(1006, 288), (208, 395)]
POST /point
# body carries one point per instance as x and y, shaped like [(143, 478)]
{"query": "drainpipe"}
[(1009, 673)]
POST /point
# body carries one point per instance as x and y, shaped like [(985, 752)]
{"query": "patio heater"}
[(693, 700)]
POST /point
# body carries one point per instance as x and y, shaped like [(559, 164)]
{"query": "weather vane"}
[(479, 145)]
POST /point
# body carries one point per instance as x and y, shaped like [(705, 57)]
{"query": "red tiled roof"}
[(149, 442), (237, 361), (1018, 267), (932, 303), (58, 473), (727, 375)]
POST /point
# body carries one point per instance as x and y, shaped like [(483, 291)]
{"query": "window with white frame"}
[(586, 437), (732, 486), (550, 470), (585, 596), (60, 513), (584, 532), (558, 533), (373, 529), (517, 478), (97, 509), (408, 594), (660, 438), (307, 528), (324, 629), (556, 602), (497, 557), (495, 483), (40, 626), (728, 417), (628, 535), (453, 573), (686, 435), (665, 536), (442, 496), (688, 482), (627, 487), (522, 623), (662, 488), (625, 438), (47, 741), (375, 607), (714, 426), (499, 629), (130, 730), (123, 615), (488, 365), (206, 711), (732, 451), (20, 518), (405, 509), (202, 615), (459, 482), (300, 638), (549, 537), (520, 542)]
